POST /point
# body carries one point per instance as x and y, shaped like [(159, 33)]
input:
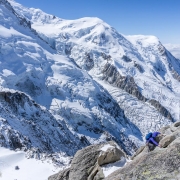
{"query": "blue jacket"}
[(151, 140)]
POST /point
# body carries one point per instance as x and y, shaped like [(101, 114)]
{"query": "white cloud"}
[(174, 49)]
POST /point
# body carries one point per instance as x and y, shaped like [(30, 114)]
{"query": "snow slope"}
[(50, 107), (28, 168)]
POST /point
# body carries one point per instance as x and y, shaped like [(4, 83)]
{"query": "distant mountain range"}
[(174, 49)]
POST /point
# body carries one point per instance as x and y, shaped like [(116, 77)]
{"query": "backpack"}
[(148, 136)]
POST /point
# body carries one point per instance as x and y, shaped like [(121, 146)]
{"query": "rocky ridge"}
[(161, 163), (87, 163)]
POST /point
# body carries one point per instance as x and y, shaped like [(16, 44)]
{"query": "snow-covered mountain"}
[(93, 44), (50, 106), (65, 84)]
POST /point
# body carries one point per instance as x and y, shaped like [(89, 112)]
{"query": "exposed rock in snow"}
[(27, 126), (89, 162)]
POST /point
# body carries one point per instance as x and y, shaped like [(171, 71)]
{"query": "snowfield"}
[(28, 168)]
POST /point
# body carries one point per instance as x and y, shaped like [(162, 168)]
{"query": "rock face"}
[(112, 76), (162, 163), (159, 164), (127, 83), (86, 164), (30, 128)]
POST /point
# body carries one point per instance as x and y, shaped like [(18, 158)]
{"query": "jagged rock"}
[(127, 83), (161, 109), (126, 59), (86, 164), (110, 156), (162, 163), (138, 152), (88, 61), (165, 130), (63, 175), (167, 140), (82, 161), (139, 67), (105, 56), (175, 75), (155, 165), (30, 132), (68, 49)]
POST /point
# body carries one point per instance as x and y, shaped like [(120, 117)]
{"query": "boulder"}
[(167, 140), (110, 156), (138, 152), (176, 124), (163, 130), (159, 164), (63, 175), (87, 162), (176, 141)]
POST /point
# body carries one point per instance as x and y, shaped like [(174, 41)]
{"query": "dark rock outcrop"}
[(175, 75), (111, 75), (88, 61), (26, 126), (139, 67), (127, 83), (161, 109), (126, 59)]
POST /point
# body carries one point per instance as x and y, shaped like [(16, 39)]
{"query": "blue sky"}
[(148, 17)]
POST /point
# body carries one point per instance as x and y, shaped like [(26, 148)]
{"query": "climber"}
[(150, 140)]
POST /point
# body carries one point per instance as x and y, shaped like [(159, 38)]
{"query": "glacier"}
[(66, 84)]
